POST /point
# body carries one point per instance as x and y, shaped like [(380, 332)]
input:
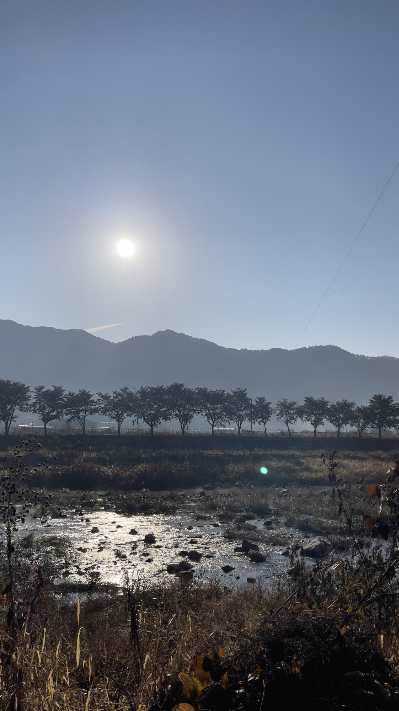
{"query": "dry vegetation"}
[(96, 462), (264, 650), (209, 647)]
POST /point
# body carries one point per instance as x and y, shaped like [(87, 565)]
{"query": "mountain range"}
[(77, 359)]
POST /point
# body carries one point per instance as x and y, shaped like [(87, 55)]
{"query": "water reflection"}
[(104, 545)]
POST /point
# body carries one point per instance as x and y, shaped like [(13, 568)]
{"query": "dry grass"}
[(168, 463), (106, 654), (70, 658)]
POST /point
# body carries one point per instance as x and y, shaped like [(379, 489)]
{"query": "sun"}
[(125, 248)]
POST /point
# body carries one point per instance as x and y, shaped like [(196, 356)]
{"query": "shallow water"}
[(110, 552)]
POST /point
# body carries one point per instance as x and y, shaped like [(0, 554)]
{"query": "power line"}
[(344, 260)]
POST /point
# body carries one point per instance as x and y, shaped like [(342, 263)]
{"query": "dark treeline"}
[(153, 405)]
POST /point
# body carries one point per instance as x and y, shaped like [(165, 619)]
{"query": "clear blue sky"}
[(239, 144)]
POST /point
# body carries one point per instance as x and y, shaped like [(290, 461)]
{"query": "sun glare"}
[(126, 248)]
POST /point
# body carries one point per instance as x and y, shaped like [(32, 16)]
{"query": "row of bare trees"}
[(153, 405)]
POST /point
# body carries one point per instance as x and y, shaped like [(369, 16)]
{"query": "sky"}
[(238, 144)]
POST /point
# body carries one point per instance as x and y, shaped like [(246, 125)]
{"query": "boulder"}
[(316, 548), (95, 529), (248, 546), (149, 538), (252, 581), (256, 557), (185, 565), (227, 568), (195, 555), (132, 532)]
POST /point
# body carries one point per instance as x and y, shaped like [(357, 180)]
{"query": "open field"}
[(167, 463)]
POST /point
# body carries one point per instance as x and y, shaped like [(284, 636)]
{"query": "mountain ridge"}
[(74, 358)]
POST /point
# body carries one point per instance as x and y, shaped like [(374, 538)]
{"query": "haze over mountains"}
[(77, 359)]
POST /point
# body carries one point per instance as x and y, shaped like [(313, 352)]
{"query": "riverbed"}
[(104, 546)]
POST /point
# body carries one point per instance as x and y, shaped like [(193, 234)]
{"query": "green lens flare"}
[(263, 470)]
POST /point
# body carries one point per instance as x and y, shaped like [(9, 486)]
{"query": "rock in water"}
[(248, 546), (195, 555), (173, 568), (185, 565), (227, 568), (256, 557)]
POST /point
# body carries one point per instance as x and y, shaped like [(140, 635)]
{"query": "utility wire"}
[(344, 260)]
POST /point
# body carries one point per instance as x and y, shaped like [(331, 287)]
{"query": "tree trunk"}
[(379, 433), (213, 429), (338, 431), (152, 431), (45, 428), (289, 431), (119, 431), (239, 429), (315, 432), (360, 432), (183, 428), (84, 426), (265, 431), (7, 426)]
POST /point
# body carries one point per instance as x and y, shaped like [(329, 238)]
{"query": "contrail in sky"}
[(101, 328)]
